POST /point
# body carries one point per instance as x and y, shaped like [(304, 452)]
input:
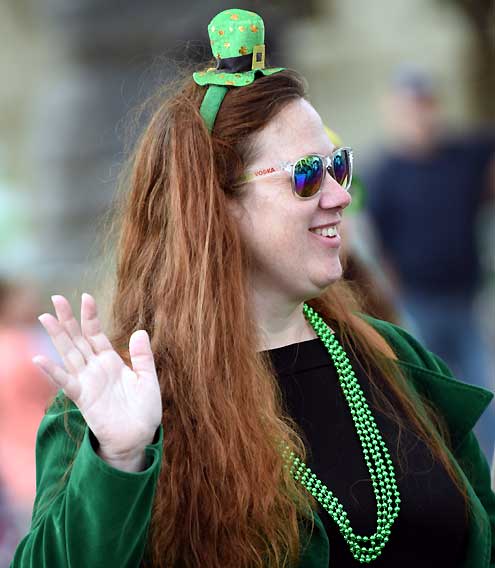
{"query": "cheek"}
[(281, 247), (273, 228)]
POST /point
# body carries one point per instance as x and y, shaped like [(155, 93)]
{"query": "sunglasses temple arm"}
[(247, 177)]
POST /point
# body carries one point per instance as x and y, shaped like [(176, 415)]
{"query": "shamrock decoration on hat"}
[(237, 42)]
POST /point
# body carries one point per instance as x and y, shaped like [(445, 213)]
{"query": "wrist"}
[(129, 461)]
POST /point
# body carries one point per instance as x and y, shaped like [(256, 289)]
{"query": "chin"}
[(323, 283), (335, 273)]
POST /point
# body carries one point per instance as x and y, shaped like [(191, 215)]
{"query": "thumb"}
[(141, 355)]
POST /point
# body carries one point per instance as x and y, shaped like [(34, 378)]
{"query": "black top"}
[(430, 530)]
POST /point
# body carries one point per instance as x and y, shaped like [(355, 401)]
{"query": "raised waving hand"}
[(121, 405)]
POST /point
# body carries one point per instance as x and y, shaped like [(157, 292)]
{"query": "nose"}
[(333, 195)]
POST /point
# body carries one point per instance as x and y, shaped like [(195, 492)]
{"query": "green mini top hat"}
[(237, 39), (237, 42)]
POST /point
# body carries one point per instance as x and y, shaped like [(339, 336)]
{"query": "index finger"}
[(91, 326)]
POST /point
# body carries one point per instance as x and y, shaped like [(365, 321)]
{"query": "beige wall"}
[(348, 53)]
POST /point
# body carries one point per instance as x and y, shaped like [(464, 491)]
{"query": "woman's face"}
[(287, 258)]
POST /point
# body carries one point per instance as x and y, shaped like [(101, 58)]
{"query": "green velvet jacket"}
[(97, 516)]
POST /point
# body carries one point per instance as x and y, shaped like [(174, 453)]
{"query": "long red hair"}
[(224, 497)]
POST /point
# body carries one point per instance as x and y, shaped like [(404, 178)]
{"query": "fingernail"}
[(41, 317)]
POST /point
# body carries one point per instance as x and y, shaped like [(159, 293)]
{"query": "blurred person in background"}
[(24, 395), (426, 194)]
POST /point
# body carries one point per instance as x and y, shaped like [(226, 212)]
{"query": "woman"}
[(185, 444)]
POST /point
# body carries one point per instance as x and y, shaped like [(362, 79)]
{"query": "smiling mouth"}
[(328, 232)]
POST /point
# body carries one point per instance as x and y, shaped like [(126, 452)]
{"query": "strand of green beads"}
[(372, 432), (349, 390), (339, 357), (376, 455), (360, 403), (384, 483)]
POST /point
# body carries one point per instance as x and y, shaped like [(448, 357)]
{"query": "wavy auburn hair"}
[(224, 497)]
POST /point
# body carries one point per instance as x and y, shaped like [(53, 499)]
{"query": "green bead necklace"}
[(376, 455)]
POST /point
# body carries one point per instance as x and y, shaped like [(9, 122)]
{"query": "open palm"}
[(121, 405)]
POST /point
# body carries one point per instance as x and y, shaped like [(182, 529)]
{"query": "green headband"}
[(237, 42)]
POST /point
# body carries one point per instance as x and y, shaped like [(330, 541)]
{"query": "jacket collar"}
[(461, 404)]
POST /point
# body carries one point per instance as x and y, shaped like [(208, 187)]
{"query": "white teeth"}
[(326, 231)]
